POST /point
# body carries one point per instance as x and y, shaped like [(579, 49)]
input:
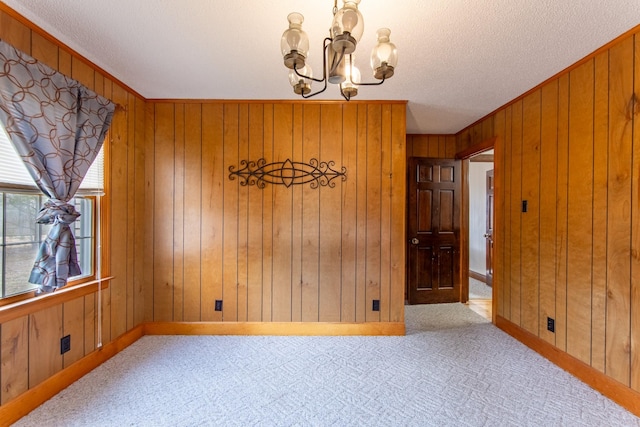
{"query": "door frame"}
[(464, 156), (457, 208), (489, 222)]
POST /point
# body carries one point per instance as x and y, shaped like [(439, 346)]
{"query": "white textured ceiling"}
[(458, 59)]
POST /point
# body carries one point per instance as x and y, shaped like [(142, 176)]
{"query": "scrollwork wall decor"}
[(287, 173)]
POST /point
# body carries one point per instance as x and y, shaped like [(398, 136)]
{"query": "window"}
[(20, 235)]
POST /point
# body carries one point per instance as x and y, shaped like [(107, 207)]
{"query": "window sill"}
[(25, 307)]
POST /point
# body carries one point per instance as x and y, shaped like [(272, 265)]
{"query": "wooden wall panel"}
[(267, 222), (331, 262), (349, 198), (231, 215), (149, 202), (573, 146), (164, 136), (282, 224), (311, 219), (255, 206), (397, 236), (516, 213), (73, 325), (530, 240), (499, 216), (192, 212), (600, 188), (14, 370), (635, 227), (373, 213), (243, 215), (281, 253), (211, 268), (561, 213), (296, 220), (437, 146), (548, 197), (580, 212), (121, 286), (385, 212), (45, 51), (140, 213), (619, 219), (178, 212), (361, 215), (505, 292), (129, 102), (30, 345), (15, 33), (45, 331)]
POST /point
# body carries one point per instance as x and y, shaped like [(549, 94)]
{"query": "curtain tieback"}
[(57, 211)]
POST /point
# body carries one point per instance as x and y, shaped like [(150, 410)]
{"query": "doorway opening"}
[(480, 228)]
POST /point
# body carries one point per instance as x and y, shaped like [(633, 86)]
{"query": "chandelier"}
[(338, 60)]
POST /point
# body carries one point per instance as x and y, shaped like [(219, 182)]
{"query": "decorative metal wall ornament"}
[(287, 173)]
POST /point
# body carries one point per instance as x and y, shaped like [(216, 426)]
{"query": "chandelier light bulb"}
[(349, 20), (349, 86)]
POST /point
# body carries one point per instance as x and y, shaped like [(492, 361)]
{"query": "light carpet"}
[(479, 290), (453, 368)]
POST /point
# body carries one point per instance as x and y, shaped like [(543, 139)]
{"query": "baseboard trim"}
[(274, 328), (17, 408), (614, 390), (478, 276)]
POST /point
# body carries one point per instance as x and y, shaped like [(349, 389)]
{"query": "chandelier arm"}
[(315, 93), (372, 84), (324, 66), (360, 84), (344, 95), (326, 43), (295, 70)]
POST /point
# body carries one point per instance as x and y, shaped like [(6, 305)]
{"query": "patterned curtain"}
[(57, 127)]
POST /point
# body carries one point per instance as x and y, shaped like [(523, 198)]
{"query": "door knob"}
[(415, 241)]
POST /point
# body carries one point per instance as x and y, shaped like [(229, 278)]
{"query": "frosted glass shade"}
[(294, 43), (347, 27), (384, 56), (301, 85)]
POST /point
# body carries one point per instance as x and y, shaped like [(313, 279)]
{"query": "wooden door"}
[(489, 229), (434, 231)]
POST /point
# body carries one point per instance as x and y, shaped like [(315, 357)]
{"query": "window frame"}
[(95, 238)]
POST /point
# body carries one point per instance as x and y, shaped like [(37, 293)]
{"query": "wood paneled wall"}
[(30, 345), (435, 146), (571, 148), (275, 254)]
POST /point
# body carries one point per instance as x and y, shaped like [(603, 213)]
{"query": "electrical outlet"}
[(65, 344), (376, 305), (551, 325), (218, 305)]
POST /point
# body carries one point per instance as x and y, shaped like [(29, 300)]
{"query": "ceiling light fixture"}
[(338, 53)]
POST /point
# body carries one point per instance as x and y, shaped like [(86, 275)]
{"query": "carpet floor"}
[(479, 290), (453, 368)]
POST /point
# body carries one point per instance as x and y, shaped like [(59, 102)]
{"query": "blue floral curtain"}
[(57, 127)]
